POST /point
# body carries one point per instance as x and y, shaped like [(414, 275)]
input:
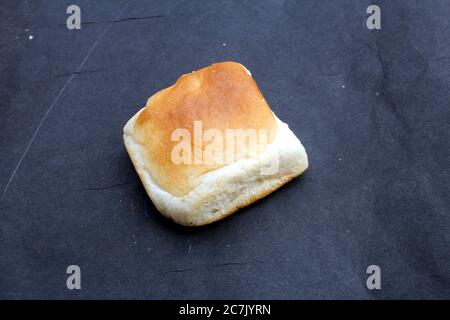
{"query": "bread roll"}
[(210, 144)]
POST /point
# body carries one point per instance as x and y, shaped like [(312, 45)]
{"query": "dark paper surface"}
[(370, 106)]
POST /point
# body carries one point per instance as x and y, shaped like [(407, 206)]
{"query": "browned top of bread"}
[(223, 96)]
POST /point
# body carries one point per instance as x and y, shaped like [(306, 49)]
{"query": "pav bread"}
[(210, 144)]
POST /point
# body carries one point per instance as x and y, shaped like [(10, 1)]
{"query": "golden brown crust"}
[(222, 96)]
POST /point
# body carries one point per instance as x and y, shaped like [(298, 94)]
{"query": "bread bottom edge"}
[(245, 203)]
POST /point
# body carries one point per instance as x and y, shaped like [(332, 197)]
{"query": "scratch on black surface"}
[(53, 103), (440, 58), (132, 207), (6, 207), (384, 84), (76, 72), (384, 78), (219, 265), (231, 264), (147, 215), (110, 187), (120, 20), (390, 101), (173, 271)]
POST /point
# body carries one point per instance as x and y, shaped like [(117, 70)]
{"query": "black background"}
[(370, 106)]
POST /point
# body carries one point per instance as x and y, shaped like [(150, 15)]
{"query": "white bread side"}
[(223, 191)]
